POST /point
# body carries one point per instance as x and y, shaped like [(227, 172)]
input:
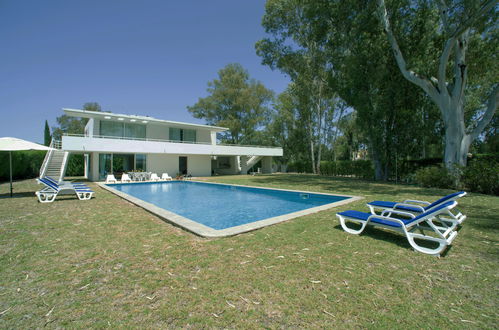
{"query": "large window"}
[(124, 130), (140, 162), (135, 131), (111, 128), (182, 135), (121, 163)]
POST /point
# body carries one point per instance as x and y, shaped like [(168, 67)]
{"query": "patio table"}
[(140, 176)]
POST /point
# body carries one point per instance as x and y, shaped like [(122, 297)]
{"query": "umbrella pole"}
[(10, 162)]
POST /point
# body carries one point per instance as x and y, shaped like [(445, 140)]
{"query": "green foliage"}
[(73, 125), (25, 164), (434, 177), (46, 134), (76, 165), (482, 175), (237, 102)]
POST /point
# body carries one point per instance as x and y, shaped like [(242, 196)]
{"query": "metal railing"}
[(166, 141)]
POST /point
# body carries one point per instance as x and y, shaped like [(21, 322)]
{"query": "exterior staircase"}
[(247, 162), (54, 164)]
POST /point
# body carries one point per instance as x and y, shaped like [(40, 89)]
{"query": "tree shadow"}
[(22, 194), (394, 238)]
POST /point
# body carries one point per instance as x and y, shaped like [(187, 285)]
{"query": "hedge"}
[(25, 164)]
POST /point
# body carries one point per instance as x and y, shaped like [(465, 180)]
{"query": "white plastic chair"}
[(125, 178), (111, 179), (154, 177), (165, 177)]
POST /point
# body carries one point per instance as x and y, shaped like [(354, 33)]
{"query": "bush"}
[(482, 175), (76, 165), (25, 164), (434, 177)]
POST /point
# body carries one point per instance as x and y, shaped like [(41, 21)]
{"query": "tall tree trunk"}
[(311, 142), (449, 97)]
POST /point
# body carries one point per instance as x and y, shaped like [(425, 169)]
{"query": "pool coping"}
[(205, 231)]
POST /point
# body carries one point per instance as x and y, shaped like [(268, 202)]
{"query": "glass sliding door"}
[(105, 161), (182, 165), (122, 163), (140, 162)]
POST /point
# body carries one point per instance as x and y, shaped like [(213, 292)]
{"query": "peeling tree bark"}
[(449, 98)]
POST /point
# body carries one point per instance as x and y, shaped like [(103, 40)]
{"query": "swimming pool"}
[(214, 210)]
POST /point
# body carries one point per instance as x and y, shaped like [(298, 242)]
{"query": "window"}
[(111, 128), (183, 135), (140, 162), (126, 130), (135, 131)]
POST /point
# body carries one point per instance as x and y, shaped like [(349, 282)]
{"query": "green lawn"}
[(108, 263)]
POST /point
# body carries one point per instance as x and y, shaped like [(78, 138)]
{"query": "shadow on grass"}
[(18, 194), (394, 238)]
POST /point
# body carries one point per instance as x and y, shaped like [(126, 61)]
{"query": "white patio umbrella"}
[(13, 144)]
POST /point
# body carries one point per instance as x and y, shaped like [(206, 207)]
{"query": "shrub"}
[(76, 165), (434, 177), (25, 164), (482, 175), (358, 168)]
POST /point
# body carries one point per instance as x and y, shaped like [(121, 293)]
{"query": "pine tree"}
[(47, 136)]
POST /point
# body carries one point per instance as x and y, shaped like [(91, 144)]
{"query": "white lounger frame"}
[(444, 231), (48, 195)]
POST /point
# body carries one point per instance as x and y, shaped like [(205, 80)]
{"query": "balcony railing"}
[(167, 141)]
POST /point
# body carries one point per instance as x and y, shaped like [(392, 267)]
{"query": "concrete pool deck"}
[(205, 231)]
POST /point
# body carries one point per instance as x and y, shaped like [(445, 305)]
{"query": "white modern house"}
[(118, 143)]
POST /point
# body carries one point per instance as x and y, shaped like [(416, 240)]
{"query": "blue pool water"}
[(223, 206)]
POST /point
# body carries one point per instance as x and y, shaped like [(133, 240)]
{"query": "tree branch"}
[(443, 10), (488, 5), (410, 75), (489, 113)]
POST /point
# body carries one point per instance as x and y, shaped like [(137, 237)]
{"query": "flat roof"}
[(136, 118)]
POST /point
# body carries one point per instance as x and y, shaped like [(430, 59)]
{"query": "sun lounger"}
[(125, 178), (111, 179), (51, 190), (154, 177), (165, 177), (417, 207), (407, 223), (64, 183)]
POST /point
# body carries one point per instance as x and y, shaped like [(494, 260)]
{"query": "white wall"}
[(197, 165), (82, 144)]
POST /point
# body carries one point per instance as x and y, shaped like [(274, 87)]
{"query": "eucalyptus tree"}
[(463, 25), (237, 102), (305, 64), (346, 41)]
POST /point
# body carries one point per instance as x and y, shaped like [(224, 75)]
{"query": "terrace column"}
[(267, 164)]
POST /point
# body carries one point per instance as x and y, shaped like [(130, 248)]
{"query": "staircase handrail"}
[(48, 155)]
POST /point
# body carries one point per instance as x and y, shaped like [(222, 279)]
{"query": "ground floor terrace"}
[(99, 165), (106, 263)]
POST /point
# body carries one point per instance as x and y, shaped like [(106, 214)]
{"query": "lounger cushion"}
[(445, 198), (391, 205)]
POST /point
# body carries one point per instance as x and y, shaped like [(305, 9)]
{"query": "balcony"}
[(109, 144)]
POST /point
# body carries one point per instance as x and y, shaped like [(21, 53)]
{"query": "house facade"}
[(117, 143)]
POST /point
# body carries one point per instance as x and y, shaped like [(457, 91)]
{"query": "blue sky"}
[(136, 57)]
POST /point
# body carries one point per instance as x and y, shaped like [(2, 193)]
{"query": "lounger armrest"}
[(413, 201), (419, 207), (393, 211)]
